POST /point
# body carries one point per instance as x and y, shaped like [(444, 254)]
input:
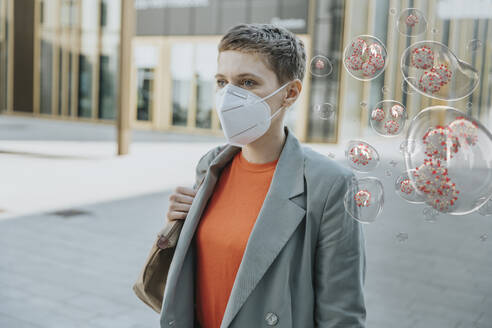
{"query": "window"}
[(181, 74), (145, 89), (46, 67), (107, 87), (85, 87)]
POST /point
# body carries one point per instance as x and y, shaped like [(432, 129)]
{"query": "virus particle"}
[(360, 154), (391, 127), (422, 57), (440, 143), (430, 82), (378, 114), (397, 111), (363, 198)]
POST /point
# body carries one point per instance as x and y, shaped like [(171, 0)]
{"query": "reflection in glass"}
[(85, 86), (60, 80), (145, 88), (181, 72), (205, 68), (46, 67), (107, 86)]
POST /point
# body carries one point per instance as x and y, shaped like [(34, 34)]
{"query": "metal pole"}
[(127, 31)]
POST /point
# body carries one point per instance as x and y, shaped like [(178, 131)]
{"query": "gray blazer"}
[(304, 263)]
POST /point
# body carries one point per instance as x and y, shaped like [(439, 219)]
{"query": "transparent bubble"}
[(430, 214), (393, 163), (361, 156), (320, 66), (364, 199), (406, 88), (325, 111), (363, 104), (402, 236), (474, 45), (388, 118), (485, 208), (365, 57), (434, 30), (331, 155), (484, 237), (434, 71), (388, 172), (452, 159), (385, 89), (392, 11), (411, 22), (404, 189), (407, 145)]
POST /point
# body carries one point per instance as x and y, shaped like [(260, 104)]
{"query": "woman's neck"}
[(267, 148)]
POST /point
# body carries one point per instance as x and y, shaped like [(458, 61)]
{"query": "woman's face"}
[(248, 71)]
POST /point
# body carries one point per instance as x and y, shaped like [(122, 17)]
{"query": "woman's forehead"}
[(232, 63)]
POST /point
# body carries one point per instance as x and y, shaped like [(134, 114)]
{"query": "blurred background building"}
[(59, 59)]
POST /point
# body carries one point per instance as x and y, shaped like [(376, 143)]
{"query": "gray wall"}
[(218, 16)]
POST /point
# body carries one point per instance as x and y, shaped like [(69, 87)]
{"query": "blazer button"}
[(271, 319)]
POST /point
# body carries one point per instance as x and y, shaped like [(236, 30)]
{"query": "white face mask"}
[(243, 115)]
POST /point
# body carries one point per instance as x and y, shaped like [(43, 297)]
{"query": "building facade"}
[(59, 59)]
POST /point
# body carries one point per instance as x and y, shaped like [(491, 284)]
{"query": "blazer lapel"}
[(277, 220)]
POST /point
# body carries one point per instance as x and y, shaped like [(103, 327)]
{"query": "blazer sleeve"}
[(340, 264)]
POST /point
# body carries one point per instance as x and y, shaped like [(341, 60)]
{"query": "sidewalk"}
[(77, 271)]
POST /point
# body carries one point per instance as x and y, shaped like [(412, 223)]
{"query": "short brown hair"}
[(284, 51)]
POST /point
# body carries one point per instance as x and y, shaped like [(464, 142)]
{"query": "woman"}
[(266, 240)]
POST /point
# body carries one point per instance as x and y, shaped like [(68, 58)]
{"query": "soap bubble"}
[(451, 159), (434, 30), (392, 11), (325, 111), (411, 22), (404, 188), (385, 89), (363, 104), (402, 236), (320, 66), (486, 208), (406, 88), (361, 156), (365, 57), (484, 237), (433, 70), (388, 118), (474, 45), (430, 214), (364, 199)]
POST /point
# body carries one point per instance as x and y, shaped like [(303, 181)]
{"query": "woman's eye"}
[(248, 83), (220, 83)]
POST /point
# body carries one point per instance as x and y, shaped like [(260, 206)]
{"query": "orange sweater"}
[(223, 233)]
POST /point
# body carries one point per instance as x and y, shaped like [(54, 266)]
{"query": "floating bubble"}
[(433, 70), (451, 159), (406, 88), (430, 214), (363, 104), (364, 199), (392, 11), (405, 189), (474, 45), (484, 237), (393, 163), (361, 156), (365, 57), (402, 236), (486, 208), (331, 155), (320, 66), (388, 118), (385, 89), (434, 30), (325, 111), (388, 172), (411, 22)]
